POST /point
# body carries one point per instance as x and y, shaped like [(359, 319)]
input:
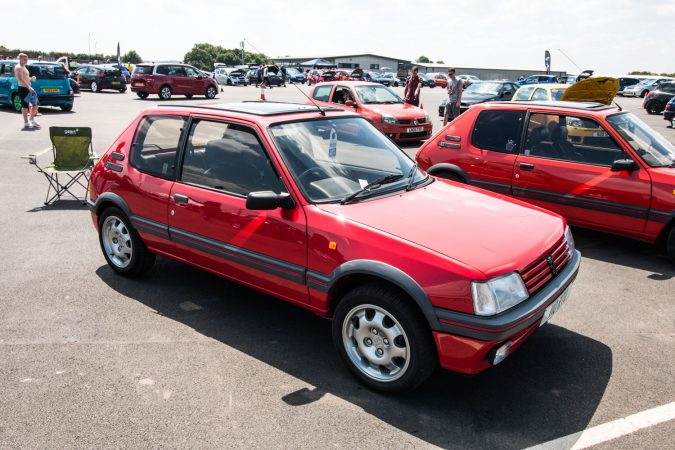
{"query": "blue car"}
[(51, 85), (294, 75), (669, 112), (538, 79)]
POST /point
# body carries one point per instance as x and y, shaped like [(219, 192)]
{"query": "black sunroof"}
[(261, 108)]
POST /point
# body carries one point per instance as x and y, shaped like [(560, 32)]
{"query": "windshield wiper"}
[(411, 177), (377, 183)]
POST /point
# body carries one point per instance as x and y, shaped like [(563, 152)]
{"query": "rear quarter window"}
[(499, 131), (143, 70), (156, 145)]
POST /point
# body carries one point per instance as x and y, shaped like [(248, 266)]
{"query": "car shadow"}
[(43, 109), (548, 389), (61, 205), (624, 251)]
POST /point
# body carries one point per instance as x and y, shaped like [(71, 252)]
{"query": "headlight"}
[(498, 294), (570, 239), (389, 119)]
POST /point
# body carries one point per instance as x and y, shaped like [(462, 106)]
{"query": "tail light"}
[(669, 107), (101, 74)]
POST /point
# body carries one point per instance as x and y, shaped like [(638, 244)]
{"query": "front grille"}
[(420, 121), (536, 275)]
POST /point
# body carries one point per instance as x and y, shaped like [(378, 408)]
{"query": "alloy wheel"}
[(116, 239), (376, 343)]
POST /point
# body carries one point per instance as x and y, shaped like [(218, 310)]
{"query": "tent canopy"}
[(317, 63)]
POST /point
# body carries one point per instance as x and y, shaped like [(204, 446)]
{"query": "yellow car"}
[(540, 92)]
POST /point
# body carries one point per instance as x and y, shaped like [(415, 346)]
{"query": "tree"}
[(440, 61), (205, 55), (423, 59), (132, 57)]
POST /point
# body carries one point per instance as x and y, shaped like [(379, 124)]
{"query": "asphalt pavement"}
[(184, 359)]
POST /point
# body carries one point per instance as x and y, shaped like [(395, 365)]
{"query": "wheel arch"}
[(438, 169), (108, 199), (359, 272)]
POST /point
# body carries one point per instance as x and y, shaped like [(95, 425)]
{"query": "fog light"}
[(500, 353)]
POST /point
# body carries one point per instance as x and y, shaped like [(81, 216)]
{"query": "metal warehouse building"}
[(377, 62)]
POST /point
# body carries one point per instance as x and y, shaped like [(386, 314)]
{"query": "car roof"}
[(558, 105), (349, 83), (545, 86), (260, 108), (31, 62)]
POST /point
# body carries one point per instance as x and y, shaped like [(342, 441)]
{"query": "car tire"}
[(397, 334), (122, 91), (94, 87), (643, 93), (142, 95), (165, 92), (131, 258), (670, 244), (16, 103), (652, 108), (229, 82), (211, 92), (68, 107)]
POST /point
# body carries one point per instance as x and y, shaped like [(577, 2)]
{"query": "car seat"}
[(565, 148)]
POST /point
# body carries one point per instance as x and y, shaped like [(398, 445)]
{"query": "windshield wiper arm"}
[(382, 181), (411, 177)]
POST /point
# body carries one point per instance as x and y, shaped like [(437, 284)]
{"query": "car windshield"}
[(333, 159), (376, 95), (483, 88), (292, 71), (47, 71), (653, 148), (556, 94)]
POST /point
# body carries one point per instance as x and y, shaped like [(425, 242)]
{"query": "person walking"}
[(283, 75), (455, 88), (259, 76), (26, 92), (413, 85)]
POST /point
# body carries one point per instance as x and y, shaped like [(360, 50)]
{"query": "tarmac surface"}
[(184, 359)]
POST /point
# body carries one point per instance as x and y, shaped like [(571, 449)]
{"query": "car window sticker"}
[(332, 145)]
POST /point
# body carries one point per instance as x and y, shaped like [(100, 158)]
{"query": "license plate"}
[(50, 90), (415, 130), (116, 82), (555, 306), (139, 84), (599, 134)]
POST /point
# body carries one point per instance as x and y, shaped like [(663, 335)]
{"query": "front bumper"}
[(464, 341), (400, 132), (56, 100)]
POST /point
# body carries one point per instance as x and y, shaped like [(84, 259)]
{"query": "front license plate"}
[(555, 306), (600, 134), (415, 130), (50, 90)]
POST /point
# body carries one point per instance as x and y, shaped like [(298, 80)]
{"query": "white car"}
[(468, 79), (642, 88), (230, 76)]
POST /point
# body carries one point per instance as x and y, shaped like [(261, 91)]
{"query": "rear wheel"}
[(165, 93), (122, 247), (211, 92), (94, 87), (122, 91), (68, 107), (16, 102), (383, 338), (142, 95), (670, 244), (643, 93)]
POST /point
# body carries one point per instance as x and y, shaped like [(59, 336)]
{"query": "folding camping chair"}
[(73, 159)]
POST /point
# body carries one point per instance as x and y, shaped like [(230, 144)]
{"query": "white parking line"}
[(611, 430)]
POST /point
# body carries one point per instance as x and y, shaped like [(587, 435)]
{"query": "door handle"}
[(180, 199), (526, 166)]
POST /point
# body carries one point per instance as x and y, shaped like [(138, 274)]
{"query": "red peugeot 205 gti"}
[(318, 208)]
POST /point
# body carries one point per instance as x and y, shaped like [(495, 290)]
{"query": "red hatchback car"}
[(320, 209), (166, 80), (596, 165), (400, 121)]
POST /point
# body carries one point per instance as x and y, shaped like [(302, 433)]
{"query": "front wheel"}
[(123, 249), (94, 87), (211, 92), (16, 102), (165, 93), (670, 244), (68, 107), (643, 93), (383, 338)]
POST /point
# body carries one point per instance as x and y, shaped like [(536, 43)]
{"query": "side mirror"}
[(624, 164), (268, 200), (350, 103)]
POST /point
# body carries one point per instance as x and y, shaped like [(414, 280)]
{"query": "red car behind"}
[(596, 165), (168, 79)]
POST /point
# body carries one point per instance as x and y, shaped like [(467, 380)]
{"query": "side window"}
[(191, 72), (569, 138), (156, 145), (540, 94), (322, 93), (162, 70), (342, 95), (229, 158), (177, 71), (498, 131), (524, 93)]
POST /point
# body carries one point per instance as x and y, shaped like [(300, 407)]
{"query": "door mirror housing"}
[(268, 200), (624, 164)]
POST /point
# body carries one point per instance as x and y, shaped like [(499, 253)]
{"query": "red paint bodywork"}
[(413, 115), (639, 204), (443, 235), (151, 83), (440, 79)]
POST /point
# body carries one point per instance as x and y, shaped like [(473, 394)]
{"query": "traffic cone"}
[(262, 94)]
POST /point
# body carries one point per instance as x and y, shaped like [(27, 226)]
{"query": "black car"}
[(97, 78), (656, 102), (669, 112), (483, 91)]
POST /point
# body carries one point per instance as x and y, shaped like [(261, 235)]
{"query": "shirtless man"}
[(24, 79)]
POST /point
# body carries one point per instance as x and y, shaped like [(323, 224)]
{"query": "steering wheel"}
[(312, 171)]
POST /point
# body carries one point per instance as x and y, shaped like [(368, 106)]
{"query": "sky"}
[(608, 36)]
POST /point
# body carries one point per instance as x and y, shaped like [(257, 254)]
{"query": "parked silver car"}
[(641, 89), (230, 76)]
